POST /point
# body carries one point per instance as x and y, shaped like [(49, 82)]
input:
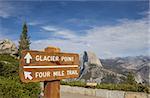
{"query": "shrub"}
[(74, 83), (124, 87), (10, 84)]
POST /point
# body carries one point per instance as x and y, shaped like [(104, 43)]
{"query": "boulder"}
[(8, 47)]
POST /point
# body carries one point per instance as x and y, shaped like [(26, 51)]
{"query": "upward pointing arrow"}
[(28, 57)]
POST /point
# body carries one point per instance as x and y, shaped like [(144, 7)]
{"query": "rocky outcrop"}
[(91, 70), (8, 47), (88, 59), (93, 59)]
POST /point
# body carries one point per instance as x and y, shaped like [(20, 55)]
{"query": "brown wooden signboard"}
[(44, 66)]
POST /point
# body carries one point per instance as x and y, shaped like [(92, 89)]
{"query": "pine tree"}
[(130, 79), (24, 43)]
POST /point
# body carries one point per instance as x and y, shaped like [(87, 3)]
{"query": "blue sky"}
[(108, 28)]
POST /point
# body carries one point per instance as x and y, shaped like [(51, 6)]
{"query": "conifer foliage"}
[(24, 42)]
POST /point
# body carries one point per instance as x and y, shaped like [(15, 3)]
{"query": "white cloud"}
[(9, 9), (34, 23), (66, 46), (61, 32), (50, 28), (129, 37), (6, 10)]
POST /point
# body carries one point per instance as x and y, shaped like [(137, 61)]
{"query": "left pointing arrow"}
[(28, 57), (28, 75)]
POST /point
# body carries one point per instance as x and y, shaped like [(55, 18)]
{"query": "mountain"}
[(138, 65), (92, 70)]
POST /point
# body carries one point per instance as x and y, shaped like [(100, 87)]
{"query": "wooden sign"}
[(44, 66)]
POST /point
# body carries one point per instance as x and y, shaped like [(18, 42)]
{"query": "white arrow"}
[(27, 75), (28, 57)]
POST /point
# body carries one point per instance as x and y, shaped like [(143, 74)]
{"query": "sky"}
[(116, 28)]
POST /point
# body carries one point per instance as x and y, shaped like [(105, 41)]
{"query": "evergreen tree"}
[(130, 79), (24, 43)]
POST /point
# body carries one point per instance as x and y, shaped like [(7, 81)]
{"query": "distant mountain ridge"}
[(138, 65), (112, 70), (93, 70), (131, 63)]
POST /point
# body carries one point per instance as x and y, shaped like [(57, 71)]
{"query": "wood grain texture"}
[(52, 75), (52, 88), (38, 71)]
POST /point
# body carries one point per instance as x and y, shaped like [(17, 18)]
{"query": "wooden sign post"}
[(52, 88), (49, 66)]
